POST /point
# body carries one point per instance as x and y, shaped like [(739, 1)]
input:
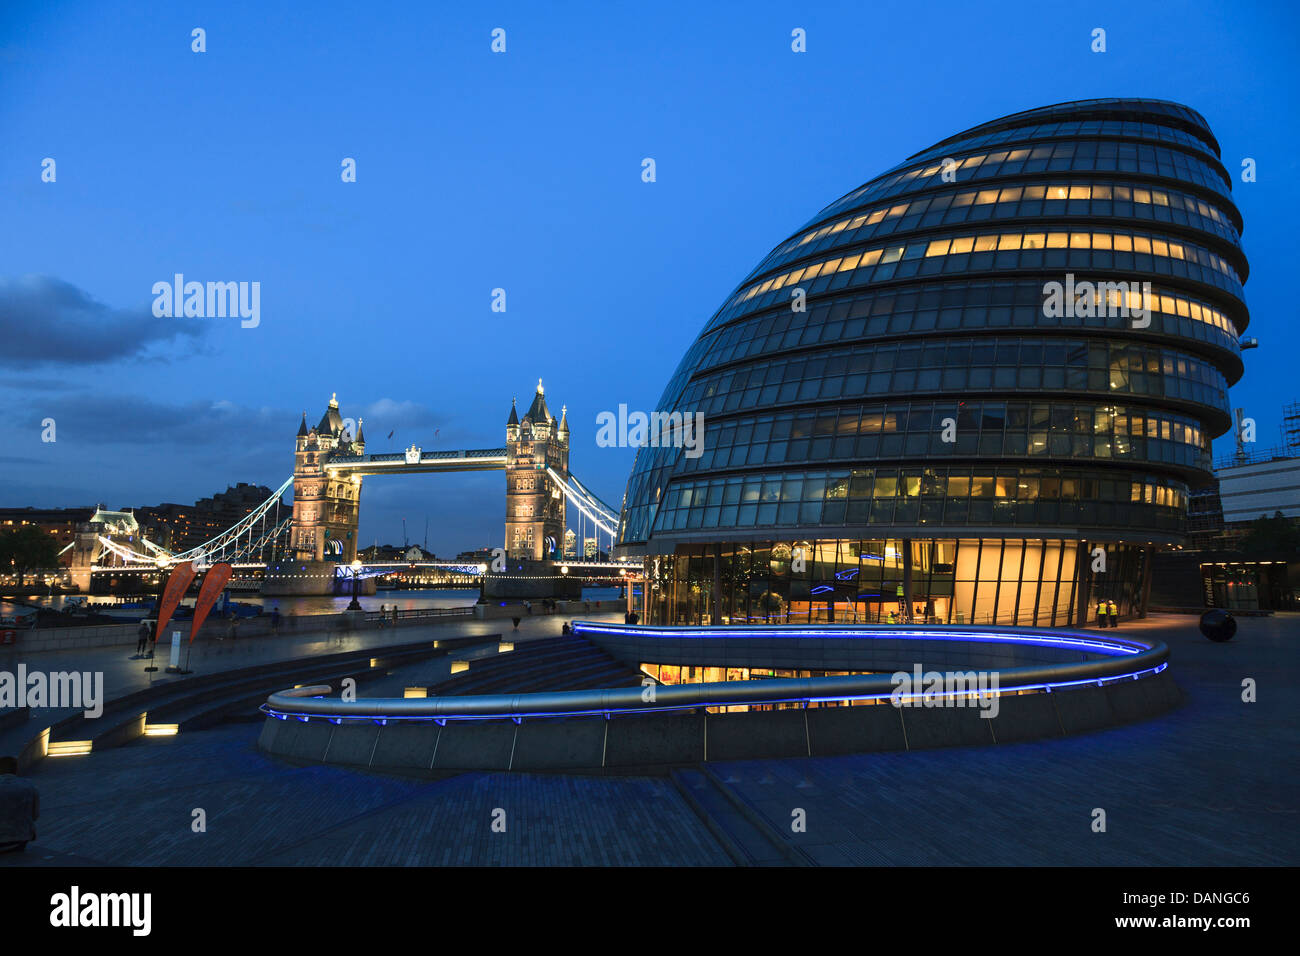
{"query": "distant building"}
[(534, 502), (1259, 489), (570, 544), (325, 505), (589, 549), (61, 523), (179, 527)]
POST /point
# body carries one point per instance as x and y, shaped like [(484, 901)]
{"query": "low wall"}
[(106, 635), (881, 653), (496, 610), (626, 743)]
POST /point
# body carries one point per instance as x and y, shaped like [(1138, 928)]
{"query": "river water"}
[(405, 601)]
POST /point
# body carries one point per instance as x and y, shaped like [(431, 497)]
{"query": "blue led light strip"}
[(1118, 659)]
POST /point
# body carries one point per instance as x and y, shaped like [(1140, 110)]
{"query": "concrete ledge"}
[(1025, 717), (1083, 709), (572, 744), (655, 740), (355, 747), (850, 730), (401, 746), (746, 736), (929, 727), (474, 744), (676, 739)]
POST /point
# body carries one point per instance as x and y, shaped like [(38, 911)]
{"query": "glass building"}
[(975, 389)]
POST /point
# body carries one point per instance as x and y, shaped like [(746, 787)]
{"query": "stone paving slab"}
[(1212, 782)]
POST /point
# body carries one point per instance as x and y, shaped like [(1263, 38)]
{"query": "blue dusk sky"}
[(521, 171)]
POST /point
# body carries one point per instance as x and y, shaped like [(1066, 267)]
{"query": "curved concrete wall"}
[(624, 743)]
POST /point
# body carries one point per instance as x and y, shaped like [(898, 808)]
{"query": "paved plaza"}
[(1212, 782)]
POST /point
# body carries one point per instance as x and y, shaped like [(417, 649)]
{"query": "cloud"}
[(115, 419), (46, 321), (219, 426)]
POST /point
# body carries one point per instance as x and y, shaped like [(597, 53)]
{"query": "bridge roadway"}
[(389, 566), (445, 460)]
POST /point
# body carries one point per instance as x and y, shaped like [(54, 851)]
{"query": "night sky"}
[(520, 171)]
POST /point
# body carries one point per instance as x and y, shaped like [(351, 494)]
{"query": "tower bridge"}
[(312, 549)]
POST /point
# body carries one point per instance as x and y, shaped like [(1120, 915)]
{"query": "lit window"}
[(1009, 241), (937, 248), (1080, 240), (1035, 240), (1058, 240), (985, 196), (1100, 240), (964, 244), (985, 243), (1080, 192)]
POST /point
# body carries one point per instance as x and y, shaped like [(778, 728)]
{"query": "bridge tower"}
[(535, 505), (325, 508)]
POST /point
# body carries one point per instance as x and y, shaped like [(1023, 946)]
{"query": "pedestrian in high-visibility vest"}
[(890, 619), (1102, 616), (1114, 614)]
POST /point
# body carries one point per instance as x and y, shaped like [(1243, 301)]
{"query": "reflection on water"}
[(405, 601)]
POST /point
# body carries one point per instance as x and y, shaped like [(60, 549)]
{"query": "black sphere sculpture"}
[(1218, 625)]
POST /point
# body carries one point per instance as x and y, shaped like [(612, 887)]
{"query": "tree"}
[(1271, 535), (27, 548)]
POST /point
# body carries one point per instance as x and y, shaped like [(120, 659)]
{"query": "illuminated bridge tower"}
[(534, 502), (325, 505)]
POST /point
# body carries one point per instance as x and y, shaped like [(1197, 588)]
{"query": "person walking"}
[(383, 615), (234, 627), (1114, 614), (142, 643), (275, 621)]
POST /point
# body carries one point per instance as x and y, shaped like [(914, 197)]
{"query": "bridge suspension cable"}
[(595, 510), (226, 546), (230, 537)]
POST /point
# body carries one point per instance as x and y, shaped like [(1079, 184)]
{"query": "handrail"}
[(1128, 658)]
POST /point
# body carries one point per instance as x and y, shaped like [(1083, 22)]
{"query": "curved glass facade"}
[(1019, 340)]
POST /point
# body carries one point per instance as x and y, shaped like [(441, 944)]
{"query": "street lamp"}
[(356, 572)]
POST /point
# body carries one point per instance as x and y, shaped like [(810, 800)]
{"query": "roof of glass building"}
[(1028, 328)]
